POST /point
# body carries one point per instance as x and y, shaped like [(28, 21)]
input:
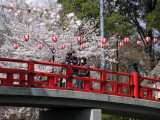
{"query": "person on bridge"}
[(83, 73), (71, 59), (62, 81), (154, 85)]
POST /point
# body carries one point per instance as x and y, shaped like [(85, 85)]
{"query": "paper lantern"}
[(121, 44), (79, 39), (54, 39), (126, 40), (148, 39), (40, 46), (138, 42), (102, 45), (155, 40), (26, 37), (82, 46), (103, 40), (15, 46), (62, 46)]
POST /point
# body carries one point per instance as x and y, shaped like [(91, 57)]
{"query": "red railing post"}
[(149, 94), (56, 81), (9, 79), (69, 79), (31, 73), (51, 80), (87, 84), (104, 81), (120, 89), (136, 82), (115, 86)]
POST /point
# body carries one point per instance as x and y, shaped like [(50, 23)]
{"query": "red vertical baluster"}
[(9, 79), (51, 80), (120, 89), (104, 83), (87, 84), (136, 85), (115, 88), (56, 81), (149, 94), (131, 88), (142, 93), (69, 79), (31, 73)]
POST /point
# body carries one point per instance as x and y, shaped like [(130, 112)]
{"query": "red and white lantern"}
[(148, 39), (138, 42), (62, 46), (54, 39), (79, 39), (40, 46), (26, 37), (155, 40), (82, 46), (121, 44), (126, 40), (15, 46), (103, 40), (102, 45)]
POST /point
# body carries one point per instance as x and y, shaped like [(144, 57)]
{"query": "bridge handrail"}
[(151, 79), (135, 89), (14, 60)]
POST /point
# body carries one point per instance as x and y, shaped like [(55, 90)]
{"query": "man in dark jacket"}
[(83, 73), (71, 59)]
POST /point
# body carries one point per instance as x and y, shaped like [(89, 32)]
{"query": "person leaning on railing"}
[(71, 59)]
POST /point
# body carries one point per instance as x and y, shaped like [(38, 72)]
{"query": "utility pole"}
[(117, 67), (102, 33)]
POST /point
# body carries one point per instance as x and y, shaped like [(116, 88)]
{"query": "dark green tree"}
[(124, 17)]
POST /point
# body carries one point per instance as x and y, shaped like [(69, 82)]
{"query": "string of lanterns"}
[(54, 39), (79, 40)]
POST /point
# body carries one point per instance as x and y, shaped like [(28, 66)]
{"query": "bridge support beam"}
[(73, 114)]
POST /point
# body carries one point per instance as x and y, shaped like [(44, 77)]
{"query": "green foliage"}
[(81, 8), (109, 117), (117, 23), (153, 18), (86, 9)]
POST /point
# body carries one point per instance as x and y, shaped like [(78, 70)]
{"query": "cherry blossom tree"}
[(41, 23), (39, 33)]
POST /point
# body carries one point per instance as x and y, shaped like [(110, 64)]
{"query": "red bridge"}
[(135, 89), (139, 98)]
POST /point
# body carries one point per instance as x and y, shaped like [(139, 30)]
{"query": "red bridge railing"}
[(27, 78)]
